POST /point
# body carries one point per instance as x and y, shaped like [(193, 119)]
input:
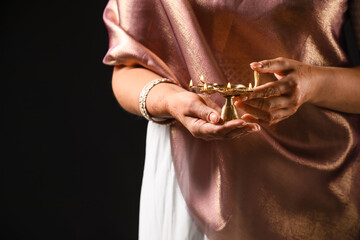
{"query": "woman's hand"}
[(198, 113), (201, 116), (278, 100)]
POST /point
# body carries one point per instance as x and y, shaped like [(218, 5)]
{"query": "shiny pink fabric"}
[(299, 179)]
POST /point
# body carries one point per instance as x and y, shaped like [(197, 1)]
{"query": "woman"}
[(289, 168)]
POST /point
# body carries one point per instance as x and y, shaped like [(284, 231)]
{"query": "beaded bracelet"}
[(142, 101)]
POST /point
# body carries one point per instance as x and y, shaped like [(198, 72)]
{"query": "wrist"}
[(157, 101), (316, 83)]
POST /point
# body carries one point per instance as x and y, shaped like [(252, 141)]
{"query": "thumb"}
[(202, 111)]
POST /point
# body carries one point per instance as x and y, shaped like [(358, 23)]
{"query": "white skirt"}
[(163, 212)]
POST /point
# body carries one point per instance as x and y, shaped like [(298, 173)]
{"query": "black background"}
[(72, 158)]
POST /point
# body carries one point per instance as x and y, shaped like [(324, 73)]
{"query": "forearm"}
[(128, 82), (337, 88)]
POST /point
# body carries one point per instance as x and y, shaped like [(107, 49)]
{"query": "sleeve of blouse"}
[(128, 23), (355, 18)]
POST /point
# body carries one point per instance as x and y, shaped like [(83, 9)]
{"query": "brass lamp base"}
[(228, 111)]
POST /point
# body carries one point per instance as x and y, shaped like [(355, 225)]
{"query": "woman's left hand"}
[(278, 100)]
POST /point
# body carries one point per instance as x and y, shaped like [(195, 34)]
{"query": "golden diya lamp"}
[(229, 91)]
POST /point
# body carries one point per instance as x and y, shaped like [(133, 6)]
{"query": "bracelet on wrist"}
[(142, 101)]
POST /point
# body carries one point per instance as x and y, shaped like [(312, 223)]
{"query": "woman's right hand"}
[(201, 116)]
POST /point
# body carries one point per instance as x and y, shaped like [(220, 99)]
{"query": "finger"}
[(249, 118), (240, 98), (273, 89), (200, 110), (269, 104), (231, 126), (207, 131), (202, 129), (256, 113), (269, 118), (233, 132), (278, 65), (250, 128)]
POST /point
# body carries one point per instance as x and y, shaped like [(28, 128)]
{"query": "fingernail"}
[(214, 118), (256, 128), (242, 125), (256, 65), (243, 98)]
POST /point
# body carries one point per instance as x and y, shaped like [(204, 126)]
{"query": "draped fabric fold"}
[(298, 179)]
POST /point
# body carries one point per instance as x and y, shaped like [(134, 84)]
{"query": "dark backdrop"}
[(72, 158)]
